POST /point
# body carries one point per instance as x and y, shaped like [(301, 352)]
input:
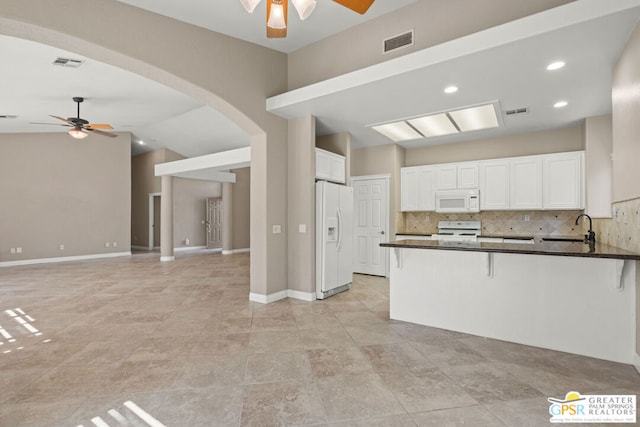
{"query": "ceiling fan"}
[(277, 12), (81, 127)]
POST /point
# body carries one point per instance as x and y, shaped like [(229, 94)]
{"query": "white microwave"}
[(452, 201)]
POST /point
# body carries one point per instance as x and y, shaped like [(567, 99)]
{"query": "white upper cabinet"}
[(330, 166), (494, 185), (417, 185), (526, 183), (467, 175), (409, 192), (563, 177), (549, 181), (446, 177), (454, 176), (427, 188)]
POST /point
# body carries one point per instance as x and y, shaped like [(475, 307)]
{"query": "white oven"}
[(452, 201)]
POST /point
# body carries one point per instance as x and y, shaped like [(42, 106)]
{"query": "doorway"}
[(154, 221), (214, 223), (371, 223)]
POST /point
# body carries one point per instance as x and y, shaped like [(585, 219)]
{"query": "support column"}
[(227, 218), (301, 277), (166, 219)]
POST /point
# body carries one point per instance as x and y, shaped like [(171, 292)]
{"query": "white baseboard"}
[(188, 248), (287, 293), (266, 299), (63, 259), (236, 251), (304, 296), (167, 258)]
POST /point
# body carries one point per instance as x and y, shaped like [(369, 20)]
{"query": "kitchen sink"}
[(563, 239)]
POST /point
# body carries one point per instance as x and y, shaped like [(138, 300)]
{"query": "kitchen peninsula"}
[(566, 296)]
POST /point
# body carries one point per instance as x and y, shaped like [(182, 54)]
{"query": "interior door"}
[(214, 223), (371, 210), (156, 222)]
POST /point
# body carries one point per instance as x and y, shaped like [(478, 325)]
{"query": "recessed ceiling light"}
[(560, 104), (555, 65), (475, 118), (451, 89), (435, 125), (141, 142), (398, 131)]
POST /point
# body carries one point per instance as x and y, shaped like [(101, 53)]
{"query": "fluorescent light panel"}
[(467, 119), (436, 125), (398, 131), (475, 118)]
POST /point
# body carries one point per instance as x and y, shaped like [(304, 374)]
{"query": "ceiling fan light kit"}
[(277, 12), (249, 5), (304, 7), (78, 133)]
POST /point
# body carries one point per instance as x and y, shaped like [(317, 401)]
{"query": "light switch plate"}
[(302, 228), (277, 229)]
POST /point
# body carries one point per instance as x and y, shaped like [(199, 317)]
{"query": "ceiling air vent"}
[(396, 42), (517, 111), (68, 62)]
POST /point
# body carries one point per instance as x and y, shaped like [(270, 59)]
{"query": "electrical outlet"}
[(12, 251), (302, 228), (18, 250), (427, 220), (527, 218), (107, 244), (187, 241), (114, 244), (277, 229), (61, 247)]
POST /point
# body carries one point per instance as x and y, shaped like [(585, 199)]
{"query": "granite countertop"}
[(539, 247)]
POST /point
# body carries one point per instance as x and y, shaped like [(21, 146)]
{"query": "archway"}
[(210, 67)]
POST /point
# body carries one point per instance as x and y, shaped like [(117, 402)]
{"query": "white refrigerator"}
[(334, 238)]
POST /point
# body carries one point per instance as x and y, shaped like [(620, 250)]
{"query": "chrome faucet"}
[(591, 237)]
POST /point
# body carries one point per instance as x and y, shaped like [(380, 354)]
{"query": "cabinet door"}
[(526, 183), (409, 191), (427, 188), (494, 185), (337, 169), (562, 181), (467, 175), (330, 166), (446, 177)]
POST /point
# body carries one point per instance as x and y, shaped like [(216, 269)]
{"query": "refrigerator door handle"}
[(339, 229)]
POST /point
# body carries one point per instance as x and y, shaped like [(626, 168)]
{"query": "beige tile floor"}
[(182, 342)]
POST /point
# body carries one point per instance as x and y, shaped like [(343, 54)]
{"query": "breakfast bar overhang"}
[(564, 296)]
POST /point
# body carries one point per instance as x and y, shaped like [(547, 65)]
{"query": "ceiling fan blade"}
[(99, 132), (99, 126), (64, 120), (360, 6), (52, 124)]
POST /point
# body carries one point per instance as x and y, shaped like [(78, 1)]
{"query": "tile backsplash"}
[(540, 223), (623, 231)]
